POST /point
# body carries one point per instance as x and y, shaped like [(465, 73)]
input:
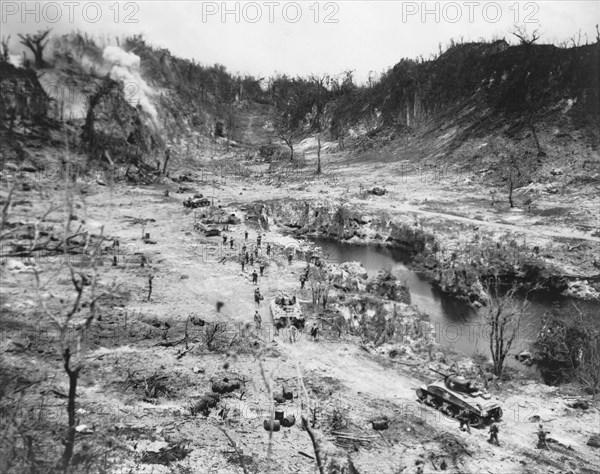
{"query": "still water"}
[(457, 325)]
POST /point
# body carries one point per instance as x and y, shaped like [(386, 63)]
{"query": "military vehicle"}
[(454, 393), (286, 312)]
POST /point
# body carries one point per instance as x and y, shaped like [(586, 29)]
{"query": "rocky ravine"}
[(457, 265)]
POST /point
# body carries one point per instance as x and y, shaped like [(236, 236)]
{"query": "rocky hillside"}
[(119, 104), (492, 84)]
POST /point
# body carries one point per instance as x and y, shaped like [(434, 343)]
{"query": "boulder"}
[(594, 441)]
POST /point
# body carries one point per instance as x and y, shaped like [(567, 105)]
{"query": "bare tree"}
[(517, 166), (503, 315), (531, 125), (320, 279), (319, 171), (318, 99), (36, 43), (93, 100), (167, 158), (285, 133), (72, 321), (524, 36), (4, 52)]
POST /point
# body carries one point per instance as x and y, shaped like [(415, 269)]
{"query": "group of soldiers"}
[(463, 419), (248, 258)]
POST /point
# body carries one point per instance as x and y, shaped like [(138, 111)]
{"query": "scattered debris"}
[(377, 191), (166, 456)]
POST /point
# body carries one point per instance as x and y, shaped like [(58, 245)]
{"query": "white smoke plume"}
[(125, 68), (16, 60)]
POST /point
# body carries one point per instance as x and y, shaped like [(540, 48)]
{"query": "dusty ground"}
[(348, 385)]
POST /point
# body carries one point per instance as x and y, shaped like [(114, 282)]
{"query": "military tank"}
[(455, 393), (285, 312)]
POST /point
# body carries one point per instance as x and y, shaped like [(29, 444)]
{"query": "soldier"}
[(258, 240), (244, 248), (314, 332), (231, 243), (247, 257), (256, 252), (302, 282), (257, 320), (463, 418), (254, 277), (261, 268), (289, 258), (542, 438), (252, 260), (268, 249), (293, 334), (224, 239), (494, 435), (246, 235), (243, 264), (257, 296)]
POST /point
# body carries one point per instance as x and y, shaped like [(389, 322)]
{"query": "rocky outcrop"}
[(351, 277), (380, 322), (389, 287), (339, 221), (581, 290), (22, 98)]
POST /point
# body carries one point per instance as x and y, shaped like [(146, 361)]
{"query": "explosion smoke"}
[(125, 68)]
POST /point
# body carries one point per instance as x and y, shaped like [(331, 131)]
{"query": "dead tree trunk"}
[(69, 442), (167, 157), (319, 154)]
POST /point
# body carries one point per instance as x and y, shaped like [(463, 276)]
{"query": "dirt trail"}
[(567, 233)]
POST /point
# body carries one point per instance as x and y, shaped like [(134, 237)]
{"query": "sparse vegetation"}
[(154, 375), (568, 347)]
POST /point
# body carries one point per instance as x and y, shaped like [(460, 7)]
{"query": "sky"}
[(298, 38)]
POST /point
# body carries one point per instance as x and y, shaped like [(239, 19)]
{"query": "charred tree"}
[(36, 43), (92, 102)]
